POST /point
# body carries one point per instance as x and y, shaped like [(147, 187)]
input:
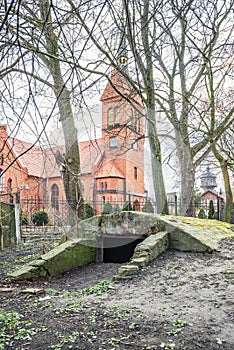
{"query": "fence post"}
[(17, 219), (176, 205)]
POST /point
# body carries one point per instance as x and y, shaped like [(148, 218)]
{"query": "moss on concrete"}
[(196, 235), (63, 258), (181, 233)]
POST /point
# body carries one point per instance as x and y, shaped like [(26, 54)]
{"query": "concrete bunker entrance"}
[(119, 249)]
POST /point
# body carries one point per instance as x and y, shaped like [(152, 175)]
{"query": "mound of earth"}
[(181, 301)]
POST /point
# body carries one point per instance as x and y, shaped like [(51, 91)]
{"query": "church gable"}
[(116, 86), (110, 169)]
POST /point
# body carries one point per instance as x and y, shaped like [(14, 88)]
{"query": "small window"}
[(102, 186), (55, 197), (106, 185), (110, 117), (135, 172), (113, 116), (9, 185), (113, 142)]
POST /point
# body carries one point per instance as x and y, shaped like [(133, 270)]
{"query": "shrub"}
[(211, 211), (89, 211), (40, 217), (24, 219), (202, 214), (148, 207), (116, 208), (127, 206), (107, 209)]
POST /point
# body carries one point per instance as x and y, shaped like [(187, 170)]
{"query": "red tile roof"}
[(30, 155), (90, 154), (42, 163), (109, 169)]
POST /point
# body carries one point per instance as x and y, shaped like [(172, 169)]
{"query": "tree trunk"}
[(71, 178), (228, 191), (71, 165), (187, 176), (158, 181)]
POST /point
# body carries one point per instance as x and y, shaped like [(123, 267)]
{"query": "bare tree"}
[(36, 45), (172, 48), (120, 18), (223, 150)]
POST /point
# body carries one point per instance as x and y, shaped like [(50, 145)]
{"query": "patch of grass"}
[(65, 339), (180, 323), (167, 345), (12, 328), (98, 289), (175, 331), (76, 307), (52, 291)]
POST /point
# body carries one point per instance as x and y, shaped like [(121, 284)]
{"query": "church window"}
[(55, 196), (135, 120), (9, 185), (113, 142), (110, 116), (135, 172), (113, 116)]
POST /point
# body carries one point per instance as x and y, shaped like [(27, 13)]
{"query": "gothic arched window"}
[(54, 196), (110, 116), (9, 185), (113, 117)]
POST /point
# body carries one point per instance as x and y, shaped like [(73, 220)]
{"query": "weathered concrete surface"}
[(152, 246), (144, 253), (187, 234), (63, 258), (122, 223), (182, 233), (196, 235)]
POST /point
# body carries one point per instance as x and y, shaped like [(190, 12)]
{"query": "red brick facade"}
[(112, 168)]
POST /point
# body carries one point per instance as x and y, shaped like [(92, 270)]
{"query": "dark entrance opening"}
[(119, 249)]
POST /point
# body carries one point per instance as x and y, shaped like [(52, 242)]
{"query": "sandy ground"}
[(182, 301)]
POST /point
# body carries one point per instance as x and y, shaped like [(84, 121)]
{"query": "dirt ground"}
[(182, 301)]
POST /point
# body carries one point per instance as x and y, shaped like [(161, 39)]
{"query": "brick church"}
[(112, 167)]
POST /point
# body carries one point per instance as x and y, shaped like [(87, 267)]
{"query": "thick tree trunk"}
[(71, 178), (187, 177), (158, 181), (71, 165), (226, 215), (228, 190)]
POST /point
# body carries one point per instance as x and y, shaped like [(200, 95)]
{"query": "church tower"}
[(120, 177)]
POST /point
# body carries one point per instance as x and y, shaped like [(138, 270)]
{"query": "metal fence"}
[(60, 215)]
